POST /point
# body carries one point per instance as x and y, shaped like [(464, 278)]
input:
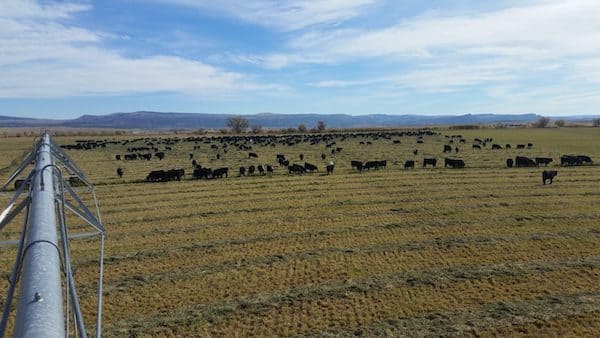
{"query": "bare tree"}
[(237, 124), (256, 129), (596, 122), (542, 122), (321, 126), (302, 128), (559, 123)]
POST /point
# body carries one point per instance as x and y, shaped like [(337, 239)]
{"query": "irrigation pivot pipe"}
[(40, 309)]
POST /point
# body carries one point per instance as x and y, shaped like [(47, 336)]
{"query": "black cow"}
[(160, 155), (301, 157), (476, 146), (409, 164), (542, 160), (242, 171), (118, 157), (356, 164), (310, 167), (548, 175), (520, 146), (371, 165), (252, 155), (146, 156), (218, 156), (330, 169), (382, 164), (447, 148), (194, 163), (529, 145), (251, 170), (176, 174), (496, 146), (585, 159), (219, 172), (191, 156), (157, 176), (429, 161), (415, 151), (261, 169), (120, 172), (202, 173), (130, 157), (521, 161), (296, 168), (509, 162), (323, 156), (269, 169), (507, 146), (455, 164)]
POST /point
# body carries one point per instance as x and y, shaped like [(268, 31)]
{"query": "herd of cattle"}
[(149, 148)]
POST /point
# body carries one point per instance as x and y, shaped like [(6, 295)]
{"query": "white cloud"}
[(42, 56), (286, 15)]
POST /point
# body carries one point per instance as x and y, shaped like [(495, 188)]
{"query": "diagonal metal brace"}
[(8, 214)]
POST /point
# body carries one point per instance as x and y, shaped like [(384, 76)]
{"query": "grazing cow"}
[(202, 173), (269, 169), (120, 172), (323, 156), (252, 155), (371, 164), (330, 167), (310, 167), (220, 172), (584, 159), (542, 160), (496, 146), (296, 168), (520, 146), (157, 176), (548, 175), (251, 170), (261, 169), (509, 162), (521, 161), (382, 164), (242, 171), (396, 141), (176, 174), (409, 164), (301, 157), (447, 148), (420, 141), (356, 164), (429, 161), (118, 157), (476, 146), (455, 164), (160, 155)]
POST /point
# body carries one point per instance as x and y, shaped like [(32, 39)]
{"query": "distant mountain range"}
[(156, 120)]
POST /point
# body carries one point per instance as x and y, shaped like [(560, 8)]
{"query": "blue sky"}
[(64, 59)]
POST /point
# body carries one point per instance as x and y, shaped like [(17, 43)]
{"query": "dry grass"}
[(485, 251)]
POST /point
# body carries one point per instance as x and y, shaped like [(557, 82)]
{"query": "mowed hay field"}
[(483, 250)]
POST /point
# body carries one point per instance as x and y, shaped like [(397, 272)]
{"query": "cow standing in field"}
[(252, 155), (509, 162), (429, 161), (356, 164), (542, 160), (242, 171), (521, 161), (261, 169), (409, 164), (447, 148), (330, 167), (120, 172), (548, 175), (118, 157)]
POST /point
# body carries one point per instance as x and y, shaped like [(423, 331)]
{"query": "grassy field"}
[(482, 251)]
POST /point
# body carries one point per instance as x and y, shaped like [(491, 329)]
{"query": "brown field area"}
[(481, 251)]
